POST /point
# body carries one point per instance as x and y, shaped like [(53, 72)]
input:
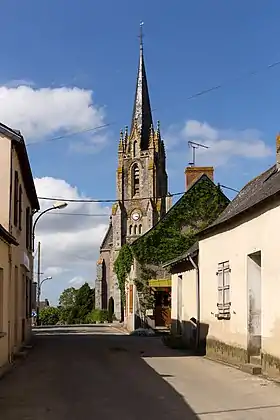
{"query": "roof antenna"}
[(195, 146)]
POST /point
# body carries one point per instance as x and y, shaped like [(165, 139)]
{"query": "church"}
[(141, 191)]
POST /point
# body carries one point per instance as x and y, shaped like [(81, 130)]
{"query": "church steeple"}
[(142, 115)]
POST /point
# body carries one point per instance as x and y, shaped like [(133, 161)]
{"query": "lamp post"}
[(56, 206), (39, 288)]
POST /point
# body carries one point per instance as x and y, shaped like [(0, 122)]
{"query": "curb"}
[(120, 329)]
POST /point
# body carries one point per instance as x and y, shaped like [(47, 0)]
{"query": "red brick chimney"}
[(193, 173)]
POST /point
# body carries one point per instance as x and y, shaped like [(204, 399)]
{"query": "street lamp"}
[(56, 206), (39, 288)]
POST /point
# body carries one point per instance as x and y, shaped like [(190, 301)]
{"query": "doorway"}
[(254, 294), (163, 307)]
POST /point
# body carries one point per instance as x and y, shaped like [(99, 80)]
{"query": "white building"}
[(235, 295)]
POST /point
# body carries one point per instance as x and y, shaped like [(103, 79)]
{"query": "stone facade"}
[(141, 190)]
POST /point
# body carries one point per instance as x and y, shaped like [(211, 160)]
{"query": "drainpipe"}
[(197, 301)]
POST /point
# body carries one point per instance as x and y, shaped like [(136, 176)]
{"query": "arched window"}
[(135, 229), (135, 180), (130, 229), (140, 230), (134, 148)]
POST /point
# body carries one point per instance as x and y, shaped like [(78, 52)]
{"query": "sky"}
[(70, 67)]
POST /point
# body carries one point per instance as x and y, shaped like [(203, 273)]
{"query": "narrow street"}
[(96, 372)]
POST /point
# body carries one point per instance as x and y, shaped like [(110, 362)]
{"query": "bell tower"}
[(141, 178)]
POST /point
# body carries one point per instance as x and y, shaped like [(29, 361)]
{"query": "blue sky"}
[(84, 47)]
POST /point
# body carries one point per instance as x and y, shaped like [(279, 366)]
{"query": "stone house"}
[(234, 287), (18, 203), (199, 206)]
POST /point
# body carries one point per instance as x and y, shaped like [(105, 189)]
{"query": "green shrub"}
[(97, 315), (49, 316)]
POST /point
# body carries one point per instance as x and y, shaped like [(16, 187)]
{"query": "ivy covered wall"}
[(176, 232)]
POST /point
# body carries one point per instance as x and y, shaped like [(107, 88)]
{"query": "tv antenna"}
[(195, 146)]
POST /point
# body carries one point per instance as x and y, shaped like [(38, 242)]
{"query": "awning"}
[(160, 283)]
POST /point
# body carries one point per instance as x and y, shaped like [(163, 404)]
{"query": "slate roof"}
[(190, 252), (259, 189), (108, 238), (142, 113)]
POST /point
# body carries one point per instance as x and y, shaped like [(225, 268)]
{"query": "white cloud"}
[(77, 281), (70, 237), (46, 112), (223, 145)]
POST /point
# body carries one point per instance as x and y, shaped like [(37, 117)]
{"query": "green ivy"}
[(176, 232), (122, 267)]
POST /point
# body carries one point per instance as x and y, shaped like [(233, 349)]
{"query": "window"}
[(135, 230), (16, 199), (224, 303), (1, 299), (140, 229), (134, 148), (19, 207), (135, 180), (28, 227), (130, 229)]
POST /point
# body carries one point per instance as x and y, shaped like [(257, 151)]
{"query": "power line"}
[(60, 213), (236, 79), (195, 95), (229, 188), (74, 133), (72, 200)]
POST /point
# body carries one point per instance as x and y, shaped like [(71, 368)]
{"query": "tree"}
[(68, 297), (84, 302), (49, 315), (76, 304)]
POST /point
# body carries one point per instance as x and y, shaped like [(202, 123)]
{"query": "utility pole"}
[(38, 281)]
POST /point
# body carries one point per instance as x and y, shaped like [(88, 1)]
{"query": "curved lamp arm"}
[(55, 207)]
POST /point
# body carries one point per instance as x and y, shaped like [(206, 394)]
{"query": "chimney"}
[(278, 152), (193, 173)]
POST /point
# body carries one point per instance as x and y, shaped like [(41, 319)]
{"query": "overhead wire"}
[(87, 130), (195, 95), (92, 200)]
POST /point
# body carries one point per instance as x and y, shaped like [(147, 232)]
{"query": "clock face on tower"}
[(136, 215)]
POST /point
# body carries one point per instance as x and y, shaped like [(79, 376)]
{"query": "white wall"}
[(189, 301), (260, 233)]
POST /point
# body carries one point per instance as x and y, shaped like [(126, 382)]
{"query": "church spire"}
[(142, 114)]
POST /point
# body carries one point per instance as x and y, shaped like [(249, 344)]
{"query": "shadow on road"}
[(91, 376)]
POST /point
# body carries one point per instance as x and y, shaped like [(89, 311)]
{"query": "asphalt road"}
[(98, 373)]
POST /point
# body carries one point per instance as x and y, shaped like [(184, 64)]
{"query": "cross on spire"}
[(141, 34)]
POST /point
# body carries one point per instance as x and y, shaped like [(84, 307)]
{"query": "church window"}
[(135, 230), (130, 229), (134, 148), (140, 229), (135, 180)]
